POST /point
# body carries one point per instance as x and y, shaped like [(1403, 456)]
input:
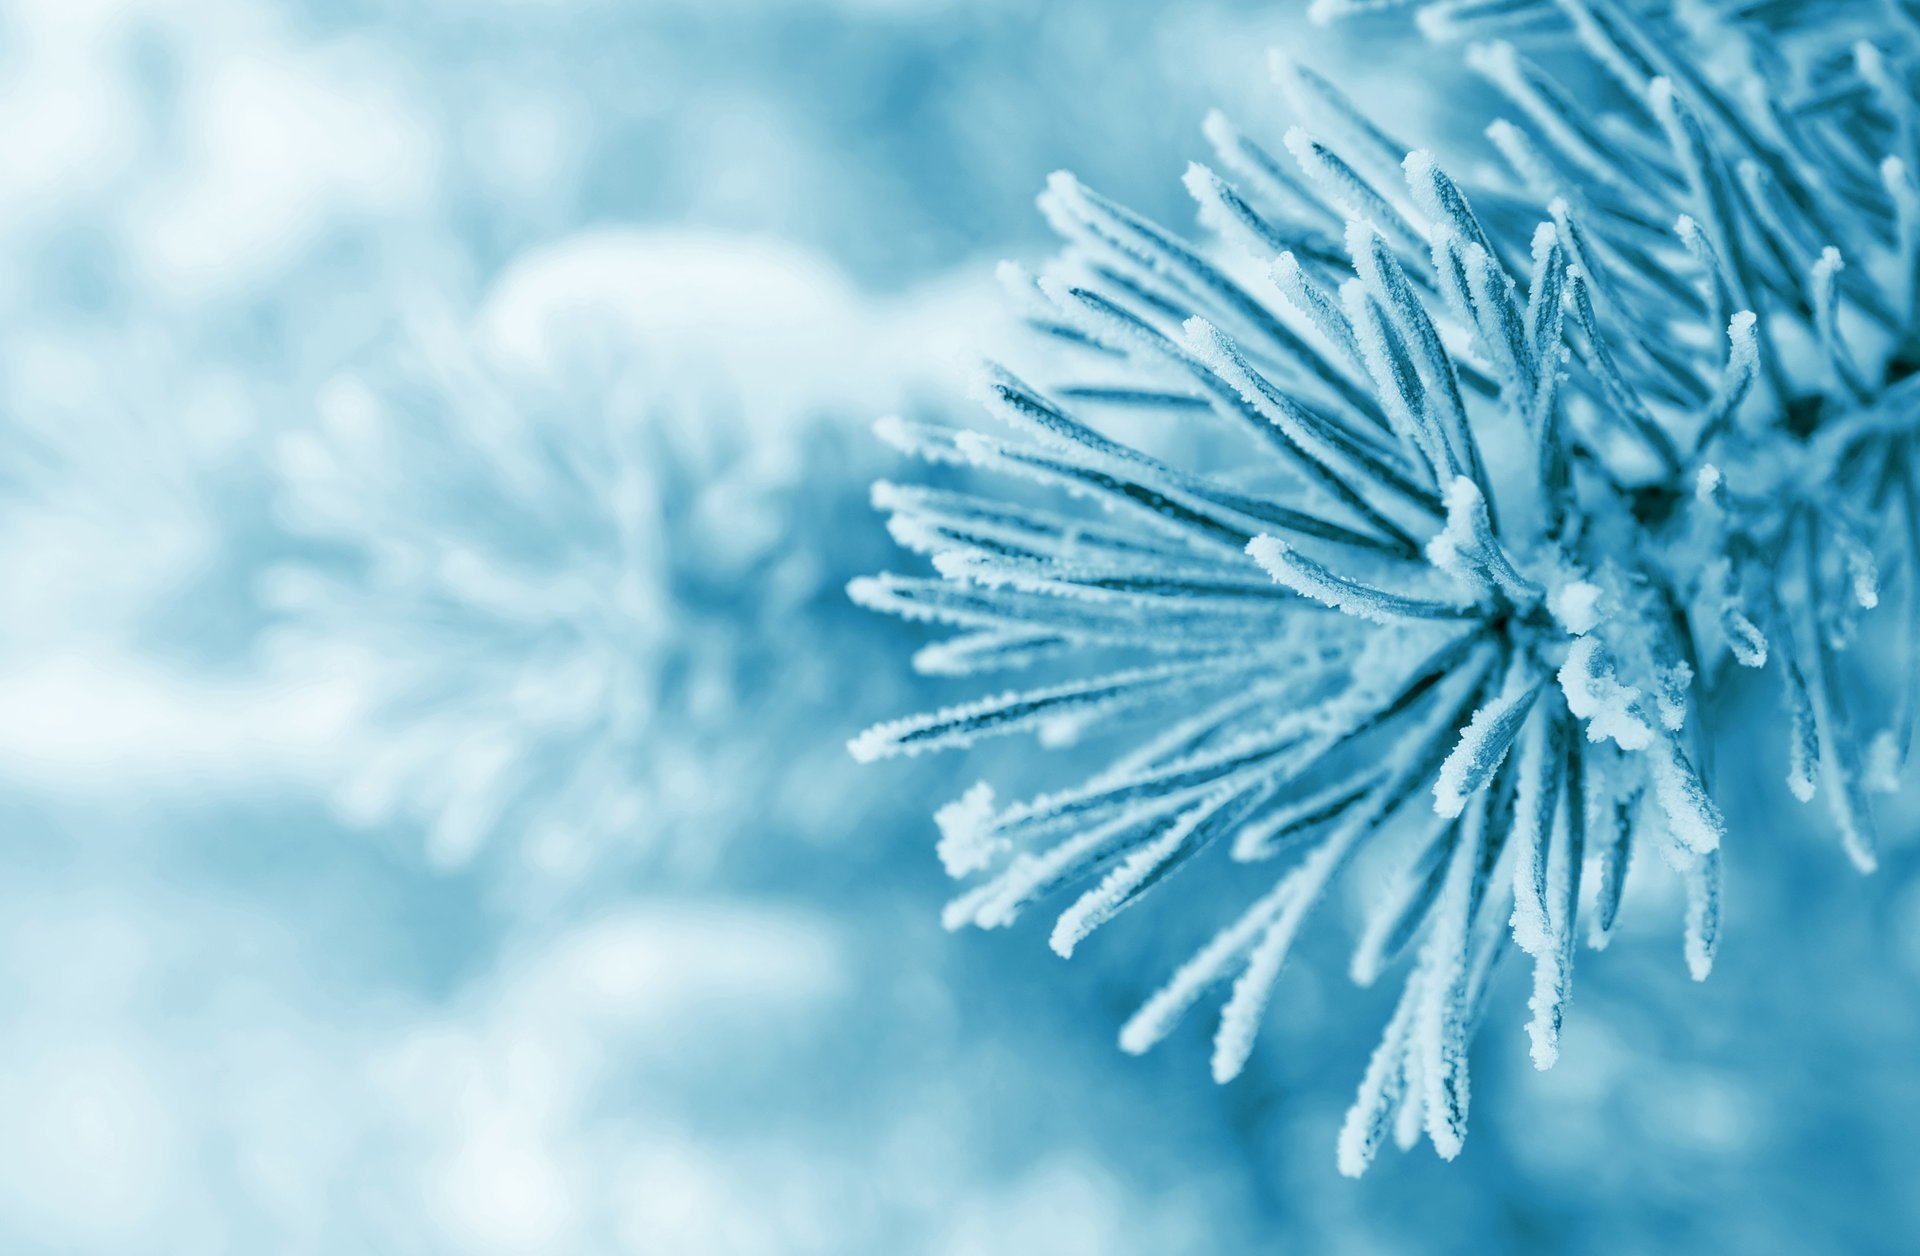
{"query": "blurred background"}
[(436, 443)]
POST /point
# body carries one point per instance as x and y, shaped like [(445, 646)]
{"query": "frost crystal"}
[(1411, 490)]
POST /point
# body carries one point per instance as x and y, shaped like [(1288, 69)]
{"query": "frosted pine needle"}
[(1431, 517)]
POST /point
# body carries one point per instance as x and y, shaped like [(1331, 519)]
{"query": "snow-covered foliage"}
[(231, 1020), (1435, 517), (532, 537), (1777, 145)]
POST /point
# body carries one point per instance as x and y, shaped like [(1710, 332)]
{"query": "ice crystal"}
[(1433, 515)]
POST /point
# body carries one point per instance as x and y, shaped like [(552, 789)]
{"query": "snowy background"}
[(437, 441)]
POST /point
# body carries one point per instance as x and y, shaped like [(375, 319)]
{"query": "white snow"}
[(966, 842), (1606, 705), (1576, 606)]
